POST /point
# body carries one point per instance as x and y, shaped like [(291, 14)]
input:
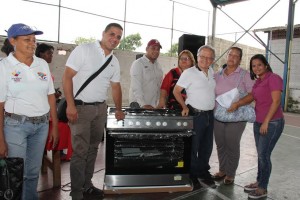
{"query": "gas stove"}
[(148, 151), (149, 120)]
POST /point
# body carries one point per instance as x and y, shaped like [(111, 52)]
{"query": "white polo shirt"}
[(200, 89), (25, 89), (86, 59)]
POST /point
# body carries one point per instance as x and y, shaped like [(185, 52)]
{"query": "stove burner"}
[(148, 112)]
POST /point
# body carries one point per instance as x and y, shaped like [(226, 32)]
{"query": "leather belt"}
[(34, 120), (82, 103), (202, 111)]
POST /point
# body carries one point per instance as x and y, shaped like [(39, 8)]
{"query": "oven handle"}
[(182, 134)]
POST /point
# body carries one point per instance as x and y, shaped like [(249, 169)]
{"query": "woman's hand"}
[(264, 128), (234, 106), (54, 136), (3, 149)]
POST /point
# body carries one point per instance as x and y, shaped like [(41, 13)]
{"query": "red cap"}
[(154, 42)]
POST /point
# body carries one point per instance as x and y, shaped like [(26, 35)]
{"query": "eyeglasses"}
[(185, 58), (206, 58)]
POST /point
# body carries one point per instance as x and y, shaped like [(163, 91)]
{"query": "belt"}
[(34, 120), (82, 103), (202, 111)]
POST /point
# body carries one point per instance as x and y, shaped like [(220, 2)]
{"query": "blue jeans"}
[(264, 146), (27, 140), (202, 143)]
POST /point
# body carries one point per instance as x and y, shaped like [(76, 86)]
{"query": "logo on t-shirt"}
[(16, 76), (42, 76)]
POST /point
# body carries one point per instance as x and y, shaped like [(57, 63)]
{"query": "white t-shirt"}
[(146, 79), (25, 89), (86, 59), (200, 89)]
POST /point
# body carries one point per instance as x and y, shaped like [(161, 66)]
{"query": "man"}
[(146, 77), (199, 83), (87, 113)]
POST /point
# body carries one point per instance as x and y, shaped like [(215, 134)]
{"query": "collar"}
[(148, 60), (198, 68), (11, 58), (237, 70), (267, 75), (97, 44)]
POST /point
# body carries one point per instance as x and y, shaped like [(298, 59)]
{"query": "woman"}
[(26, 95), (269, 122), (167, 99), (228, 134), (45, 51)]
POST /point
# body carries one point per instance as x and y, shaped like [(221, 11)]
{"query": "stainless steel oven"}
[(148, 151)]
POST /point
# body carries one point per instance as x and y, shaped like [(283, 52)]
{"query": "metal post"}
[(289, 39), (58, 31), (213, 31), (172, 28)]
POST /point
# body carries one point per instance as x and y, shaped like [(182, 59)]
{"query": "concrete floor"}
[(284, 181)]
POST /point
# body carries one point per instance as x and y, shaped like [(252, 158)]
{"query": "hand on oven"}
[(120, 115), (185, 111)]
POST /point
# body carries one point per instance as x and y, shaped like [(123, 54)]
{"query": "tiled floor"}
[(284, 182)]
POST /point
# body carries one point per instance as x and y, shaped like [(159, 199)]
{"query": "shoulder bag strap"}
[(242, 75), (94, 75)]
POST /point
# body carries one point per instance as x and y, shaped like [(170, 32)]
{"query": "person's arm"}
[(276, 100), (67, 81), (54, 136), (243, 101), (165, 90), (117, 97), (177, 93), (3, 146), (162, 99)]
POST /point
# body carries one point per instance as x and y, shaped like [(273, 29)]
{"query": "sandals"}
[(251, 187), (258, 193), (218, 176)]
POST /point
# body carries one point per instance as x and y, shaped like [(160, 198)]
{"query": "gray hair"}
[(207, 47)]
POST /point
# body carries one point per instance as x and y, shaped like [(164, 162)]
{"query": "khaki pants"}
[(86, 135), (228, 137)]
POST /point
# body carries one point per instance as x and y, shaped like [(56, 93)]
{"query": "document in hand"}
[(227, 98)]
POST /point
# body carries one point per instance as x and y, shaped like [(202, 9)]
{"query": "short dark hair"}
[(263, 59), (113, 25), (7, 47), (239, 50), (42, 48)]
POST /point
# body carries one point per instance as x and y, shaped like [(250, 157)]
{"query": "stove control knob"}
[(185, 123), (148, 123), (178, 123), (164, 123), (137, 123), (130, 123), (158, 123)]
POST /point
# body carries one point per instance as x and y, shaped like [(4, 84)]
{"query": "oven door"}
[(148, 153)]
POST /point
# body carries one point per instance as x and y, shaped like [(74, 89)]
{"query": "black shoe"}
[(196, 184), (93, 191), (206, 176), (208, 183)]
